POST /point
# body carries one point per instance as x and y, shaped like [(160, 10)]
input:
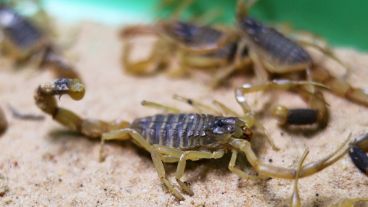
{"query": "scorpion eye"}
[(219, 123)]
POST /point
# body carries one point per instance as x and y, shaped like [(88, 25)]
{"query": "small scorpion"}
[(24, 42), (176, 137), (277, 56)]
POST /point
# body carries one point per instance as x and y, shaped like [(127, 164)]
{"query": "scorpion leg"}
[(168, 154), (197, 105), (168, 109), (240, 62), (259, 68), (46, 101), (295, 198), (291, 116), (53, 60), (280, 172), (340, 87), (237, 171), (193, 155), (127, 133), (249, 118), (226, 111), (328, 52), (147, 66)]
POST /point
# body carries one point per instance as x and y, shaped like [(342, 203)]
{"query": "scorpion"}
[(276, 55), (176, 137), (270, 52), (25, 42)]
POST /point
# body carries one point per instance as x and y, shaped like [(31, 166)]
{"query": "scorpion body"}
[(175, 138), (278, 47), (24, 41), (22, 33), (274, 55), (182, 131)]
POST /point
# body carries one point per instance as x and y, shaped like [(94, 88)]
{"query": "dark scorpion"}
[(26, 42)]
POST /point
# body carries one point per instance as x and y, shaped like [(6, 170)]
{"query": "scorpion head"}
[(180, 31), (225, 127), (250, 26)]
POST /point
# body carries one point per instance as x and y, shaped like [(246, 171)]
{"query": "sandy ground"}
[(43, 165)]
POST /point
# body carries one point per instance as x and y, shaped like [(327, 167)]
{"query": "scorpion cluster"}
[(278, 62)]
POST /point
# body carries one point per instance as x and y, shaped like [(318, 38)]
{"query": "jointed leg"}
[(147, 66), (286, 116), (295, 198), (249, 118), (226, 111), (221, 75), (127, 133), (165, 108), (280, 172), (240, 173), (197, 105), (193, 155), (328, 52), (239, 63), (259, 68)]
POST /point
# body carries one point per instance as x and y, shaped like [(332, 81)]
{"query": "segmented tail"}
[(341, 87)]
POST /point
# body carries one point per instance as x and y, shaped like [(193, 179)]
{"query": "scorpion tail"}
[(53, 61), (46, 101), (341, 87)]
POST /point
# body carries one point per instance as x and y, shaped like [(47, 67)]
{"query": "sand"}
[(41, 164)]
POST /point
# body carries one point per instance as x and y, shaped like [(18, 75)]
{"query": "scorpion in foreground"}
[(25, 42), (176, 137)]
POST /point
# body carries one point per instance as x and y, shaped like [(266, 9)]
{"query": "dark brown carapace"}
[(25, 42)]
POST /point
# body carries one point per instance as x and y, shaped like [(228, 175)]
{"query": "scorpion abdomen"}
[(20, 31), (176, 130), (274, 44)]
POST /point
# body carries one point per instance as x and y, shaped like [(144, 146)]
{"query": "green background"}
[(341, 22)]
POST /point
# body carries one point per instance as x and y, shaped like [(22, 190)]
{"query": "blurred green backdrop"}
[(341, 22)]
